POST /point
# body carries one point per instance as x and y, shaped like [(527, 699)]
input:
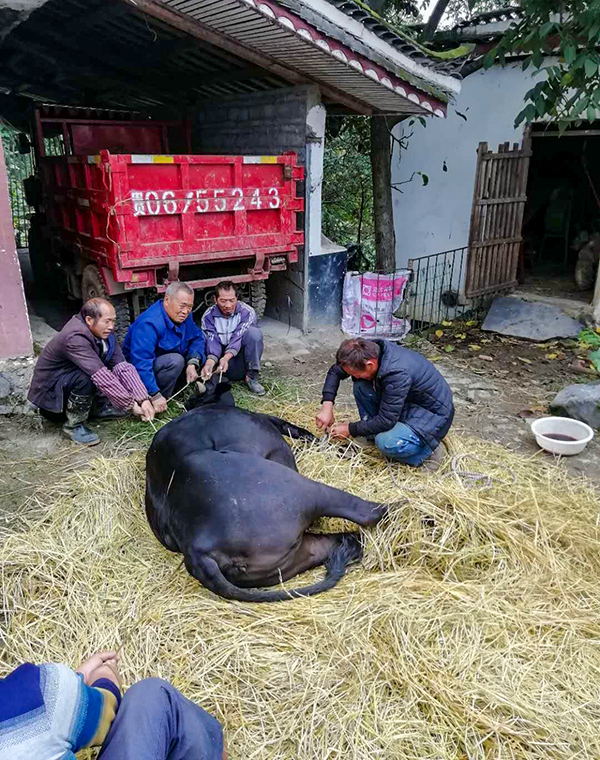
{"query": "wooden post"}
[(15, 335)]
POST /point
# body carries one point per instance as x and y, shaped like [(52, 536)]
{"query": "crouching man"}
[(82, 372), (403, 401), (165, 345), (234, 342)]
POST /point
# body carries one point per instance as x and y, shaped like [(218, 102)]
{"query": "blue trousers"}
[(155, 722), (401, 443)]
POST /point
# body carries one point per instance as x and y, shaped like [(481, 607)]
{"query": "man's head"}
[(99, 315), (178, 301), (359, 358), (226, 297)]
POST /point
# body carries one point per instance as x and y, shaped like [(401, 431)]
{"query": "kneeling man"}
[(165, 345), (403, 401), (84, 360), (234, 342)]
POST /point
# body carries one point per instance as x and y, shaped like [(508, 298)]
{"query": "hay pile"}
[(472, 630)]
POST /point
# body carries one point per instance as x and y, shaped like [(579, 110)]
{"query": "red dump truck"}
[(122, 217)]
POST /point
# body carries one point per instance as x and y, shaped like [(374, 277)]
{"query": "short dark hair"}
[(356, 352), (225, 285), (93, 308)]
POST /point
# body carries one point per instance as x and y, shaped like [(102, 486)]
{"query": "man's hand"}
[(224, 363), (208, 368), (89, 668), (147, 410), (160, 404), (109, 670), (325, 418), (341, 430), (191, 373)]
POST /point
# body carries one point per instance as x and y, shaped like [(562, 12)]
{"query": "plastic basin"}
[(582, 433)]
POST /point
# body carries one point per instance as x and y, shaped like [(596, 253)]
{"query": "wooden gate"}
[(497, 218)]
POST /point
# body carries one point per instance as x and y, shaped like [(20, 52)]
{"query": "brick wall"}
[(257, 123), (263, 123)]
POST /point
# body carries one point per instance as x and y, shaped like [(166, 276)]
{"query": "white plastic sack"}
[(369, 301)]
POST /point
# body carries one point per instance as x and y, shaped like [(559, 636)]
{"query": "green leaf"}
[(591, 113), (425, 179), (546, 28), (520, 118), (594, 31), (591, 67), (595, 358), (489, 60), (538, 59), (569, 54)]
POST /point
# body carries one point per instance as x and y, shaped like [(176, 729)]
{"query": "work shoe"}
[(254, 386), (436, 460), (77, 411), (104, 410)]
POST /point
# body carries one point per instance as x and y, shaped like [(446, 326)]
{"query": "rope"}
[(480, 480)]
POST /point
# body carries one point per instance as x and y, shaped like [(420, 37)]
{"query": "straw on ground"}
[(471, 630)]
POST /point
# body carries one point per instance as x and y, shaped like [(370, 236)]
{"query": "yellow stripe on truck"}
[(163, 159), (260, 159)]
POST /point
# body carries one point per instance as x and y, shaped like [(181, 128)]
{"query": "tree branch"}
[(396, 185), (435, 18)]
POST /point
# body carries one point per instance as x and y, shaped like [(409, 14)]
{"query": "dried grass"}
[(472, 629)]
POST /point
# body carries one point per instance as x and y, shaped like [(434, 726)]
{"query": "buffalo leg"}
[(312, 551), (335, 503)]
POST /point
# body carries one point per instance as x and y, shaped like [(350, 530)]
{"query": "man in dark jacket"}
[(403, 401), (84, 360), (165, 345)]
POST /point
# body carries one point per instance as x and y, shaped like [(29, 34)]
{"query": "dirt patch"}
[(548, 366)]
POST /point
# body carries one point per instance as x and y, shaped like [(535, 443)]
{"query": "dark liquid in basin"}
[(559, 437)]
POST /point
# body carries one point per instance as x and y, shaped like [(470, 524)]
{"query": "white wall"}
[(436, 217)]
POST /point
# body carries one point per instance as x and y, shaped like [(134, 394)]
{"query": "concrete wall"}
[(436, 217), (265, 124)]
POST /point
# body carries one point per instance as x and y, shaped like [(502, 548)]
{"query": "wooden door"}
[(497, 218)]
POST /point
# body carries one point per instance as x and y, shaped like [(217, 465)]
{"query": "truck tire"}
[(258, 297), (92, 286)]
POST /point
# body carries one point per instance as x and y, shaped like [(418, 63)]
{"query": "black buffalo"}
[(222, 488)]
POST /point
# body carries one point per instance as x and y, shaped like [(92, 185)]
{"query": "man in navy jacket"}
[(403, 401), (164, 343)]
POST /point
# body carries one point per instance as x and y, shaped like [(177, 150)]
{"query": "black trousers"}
[(75, 382)]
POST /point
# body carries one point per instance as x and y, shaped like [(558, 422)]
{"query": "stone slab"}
[(531, 320)]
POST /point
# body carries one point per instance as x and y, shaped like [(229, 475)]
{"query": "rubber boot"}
[(77, 411)]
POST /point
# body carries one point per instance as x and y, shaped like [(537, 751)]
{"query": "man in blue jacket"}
[(403, 401), (164, 344)]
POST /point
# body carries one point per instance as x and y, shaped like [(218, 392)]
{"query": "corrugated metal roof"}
[(109, 53), (384, 79)]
